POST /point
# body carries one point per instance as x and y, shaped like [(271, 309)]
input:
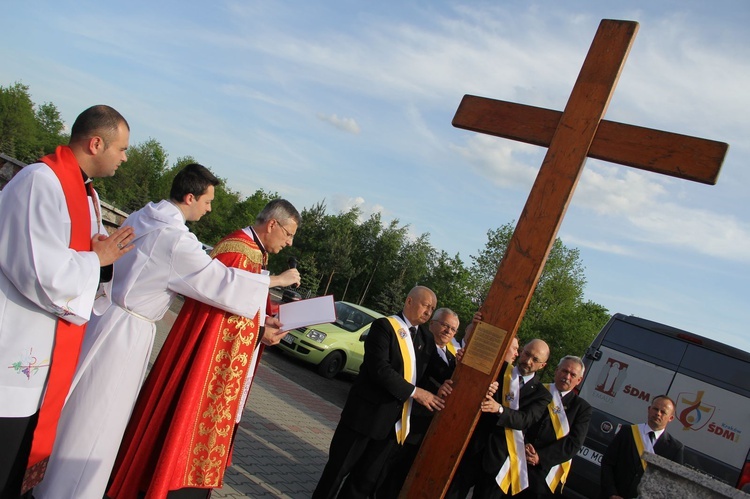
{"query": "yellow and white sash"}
[(513, 473), (642, 444), (406, 346), (559, 472), (453, 346)]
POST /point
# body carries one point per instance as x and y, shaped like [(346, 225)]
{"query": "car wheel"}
[(331, 365)]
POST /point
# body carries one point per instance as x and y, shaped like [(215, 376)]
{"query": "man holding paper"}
[(179, 439)]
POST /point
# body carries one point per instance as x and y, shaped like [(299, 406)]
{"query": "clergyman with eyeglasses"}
[(181, 433)]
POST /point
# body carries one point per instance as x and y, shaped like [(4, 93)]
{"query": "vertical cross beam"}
[(519, 271)]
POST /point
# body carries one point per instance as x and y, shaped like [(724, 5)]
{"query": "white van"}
[(633, 360)]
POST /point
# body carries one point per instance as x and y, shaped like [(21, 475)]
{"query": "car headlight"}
[(316, 335)]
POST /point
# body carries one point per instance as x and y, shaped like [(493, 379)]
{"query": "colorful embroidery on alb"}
[(29, 365)]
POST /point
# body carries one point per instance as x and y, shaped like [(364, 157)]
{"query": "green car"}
[(335, 347)]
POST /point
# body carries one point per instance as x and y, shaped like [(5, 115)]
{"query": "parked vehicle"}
[(633, 360), (336, 347)]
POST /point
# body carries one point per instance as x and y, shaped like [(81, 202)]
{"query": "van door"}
[(712, 416)]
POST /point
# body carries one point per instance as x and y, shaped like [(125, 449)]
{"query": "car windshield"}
[(351, 319)]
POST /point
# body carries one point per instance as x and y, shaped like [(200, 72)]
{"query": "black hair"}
[(193, 179)]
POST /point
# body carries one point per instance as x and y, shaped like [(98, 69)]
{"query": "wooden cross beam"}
[(571, 136)]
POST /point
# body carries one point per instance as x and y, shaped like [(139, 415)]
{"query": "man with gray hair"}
[(552, 442), (443, 326), (179, 439)]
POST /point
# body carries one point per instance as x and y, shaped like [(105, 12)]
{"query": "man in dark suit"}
[(519, 401), (443, 327), (553, 441), (622, 467), (376, 413)]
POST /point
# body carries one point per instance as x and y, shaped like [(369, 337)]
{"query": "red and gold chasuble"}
[(181, 431), (68, 337)]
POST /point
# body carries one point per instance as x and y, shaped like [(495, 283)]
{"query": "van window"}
[(718, 369), (644, 344)]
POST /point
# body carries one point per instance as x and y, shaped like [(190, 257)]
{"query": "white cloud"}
[(603, 246), (346, 124), (649, 212), (342, 204), (504, 163)]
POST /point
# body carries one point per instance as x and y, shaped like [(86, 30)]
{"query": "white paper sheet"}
[(308, 312)]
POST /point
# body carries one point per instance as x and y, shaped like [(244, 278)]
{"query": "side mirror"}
[(593, 354), (364, 334)]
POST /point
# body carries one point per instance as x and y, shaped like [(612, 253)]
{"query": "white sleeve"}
[(36, 256), (198, 276)]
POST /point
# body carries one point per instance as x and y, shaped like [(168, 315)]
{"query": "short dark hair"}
[(664, 397), (97, 120), (193, 179), (279, 209)]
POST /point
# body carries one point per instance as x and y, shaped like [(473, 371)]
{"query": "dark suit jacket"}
[(532, 405), (377, 396), (435, 374), (552, 451), (621, 464)]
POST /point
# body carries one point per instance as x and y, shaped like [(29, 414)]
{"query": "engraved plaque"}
[(484, 347)]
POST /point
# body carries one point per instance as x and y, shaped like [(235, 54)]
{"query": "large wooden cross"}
[(571, 136)]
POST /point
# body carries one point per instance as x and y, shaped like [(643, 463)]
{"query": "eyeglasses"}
[(288, 234), (448, 326), (569, 373)]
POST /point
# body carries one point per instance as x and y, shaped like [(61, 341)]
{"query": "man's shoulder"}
[(385, 324), (580, 403), (540, 389), (32, 175), (236, 242), (672, 441)]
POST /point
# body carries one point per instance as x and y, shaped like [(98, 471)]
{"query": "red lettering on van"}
[(722, 432), (635, 392)]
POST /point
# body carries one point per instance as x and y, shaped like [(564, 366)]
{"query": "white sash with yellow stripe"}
[(559, 472), (453, 346), (513, 474), (406, 347), (642, 442)]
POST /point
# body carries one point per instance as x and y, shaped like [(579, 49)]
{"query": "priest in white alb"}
[(53, 253)]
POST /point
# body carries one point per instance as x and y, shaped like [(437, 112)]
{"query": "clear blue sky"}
[(351, 102)]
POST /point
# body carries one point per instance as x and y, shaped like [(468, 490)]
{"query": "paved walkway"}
[(282, 443)]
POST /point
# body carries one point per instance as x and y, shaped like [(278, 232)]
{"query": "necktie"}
[(520, 382), (652, 437), (413, 331)]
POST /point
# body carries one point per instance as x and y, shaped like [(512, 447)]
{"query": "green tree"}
[(454, 285), (28, 133), (18, 125), (339, 242), (50, 128), (557, 312), (383, 272), (309, 244), (414, 262), (137, 180)]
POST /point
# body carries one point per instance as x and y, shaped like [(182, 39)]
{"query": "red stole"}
[(180, 433), (68, 337)]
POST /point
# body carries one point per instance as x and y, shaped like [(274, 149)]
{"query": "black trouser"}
[(184, 494), (16, 435)]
